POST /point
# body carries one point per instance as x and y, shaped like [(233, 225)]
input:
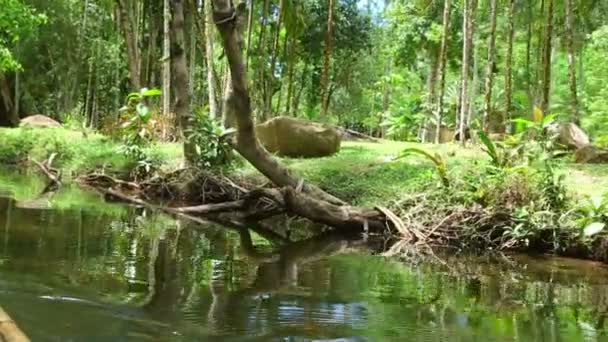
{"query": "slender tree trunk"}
[(538, 82), (529, 57), (433, 59), (474, 86), (261, 82), (298, 95), (273, 61), (548, 50), (487, 112), (211, 81), (249, 33), (130, 36), (17, 100), (181, 80), (166, 58), (327, 60), (571, 61), (469, 27), (291, 60), (280, 91), (509, 62), (443, 53)]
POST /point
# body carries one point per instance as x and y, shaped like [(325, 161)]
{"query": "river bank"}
[(66, 271), (530, 209)]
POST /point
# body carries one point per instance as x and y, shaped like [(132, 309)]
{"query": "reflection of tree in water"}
[(223, 306)]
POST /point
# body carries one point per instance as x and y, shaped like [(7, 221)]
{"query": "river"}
[(74, 268)]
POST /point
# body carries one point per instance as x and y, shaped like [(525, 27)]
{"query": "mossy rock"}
[(296, 138)]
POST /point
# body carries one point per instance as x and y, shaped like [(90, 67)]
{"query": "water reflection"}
[(91, 274)]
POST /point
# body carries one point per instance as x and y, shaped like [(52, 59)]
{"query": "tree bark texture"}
[(209, 52), (547, 53), (509, 61), (443, 53), (129, 28), (489, 83), (181, 81), (327, 59), (571, 61)]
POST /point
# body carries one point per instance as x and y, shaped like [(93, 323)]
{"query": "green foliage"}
[(16, 20), (498, 158), (593, 215), (211, 140), (135, 130), (440, 163)]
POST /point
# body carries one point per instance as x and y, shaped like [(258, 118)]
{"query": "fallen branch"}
[(52, 175)]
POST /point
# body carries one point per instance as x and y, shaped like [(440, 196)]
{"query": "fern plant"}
[(440, 163)]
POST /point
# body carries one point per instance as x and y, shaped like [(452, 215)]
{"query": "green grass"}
[(365, 173), (362, 173), (76, 153)]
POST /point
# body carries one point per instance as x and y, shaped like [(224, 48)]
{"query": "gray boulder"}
[(292, 137), (39, 121), (570, 136)]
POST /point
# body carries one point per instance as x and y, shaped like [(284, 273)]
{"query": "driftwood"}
[(9, 331), (54, 176)]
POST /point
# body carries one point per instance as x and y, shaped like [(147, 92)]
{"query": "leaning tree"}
[(295, 195)]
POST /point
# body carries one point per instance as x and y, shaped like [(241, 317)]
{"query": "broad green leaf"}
[(593, 228), (151, 92)]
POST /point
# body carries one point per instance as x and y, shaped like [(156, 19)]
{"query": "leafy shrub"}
[(135, 131), (211, 141)]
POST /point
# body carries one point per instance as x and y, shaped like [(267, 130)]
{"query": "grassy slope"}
[(361, 173)]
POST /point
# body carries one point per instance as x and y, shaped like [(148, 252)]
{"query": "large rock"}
[(591, 155), (39, 121), (570, 136), (298, 138), (446, 134)]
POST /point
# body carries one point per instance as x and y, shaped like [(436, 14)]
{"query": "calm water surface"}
[(75, 269)]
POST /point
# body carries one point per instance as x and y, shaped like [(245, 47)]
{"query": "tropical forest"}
[(304, 170)]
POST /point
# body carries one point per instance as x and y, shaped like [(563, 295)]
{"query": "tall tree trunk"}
[(509, 62), (487, 112), (291, 60), (468, 27), (327, 59), (538, 82), (273, 61), (249, 33), (547, 52), (181, 85), (129, 29), (474, 86), (530, 19), (211, 81), (571, 61), (277, 110), (166, 58), (261, 81), (443, 54)]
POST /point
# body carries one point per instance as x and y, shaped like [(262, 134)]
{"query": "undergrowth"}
[(77, 152)]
